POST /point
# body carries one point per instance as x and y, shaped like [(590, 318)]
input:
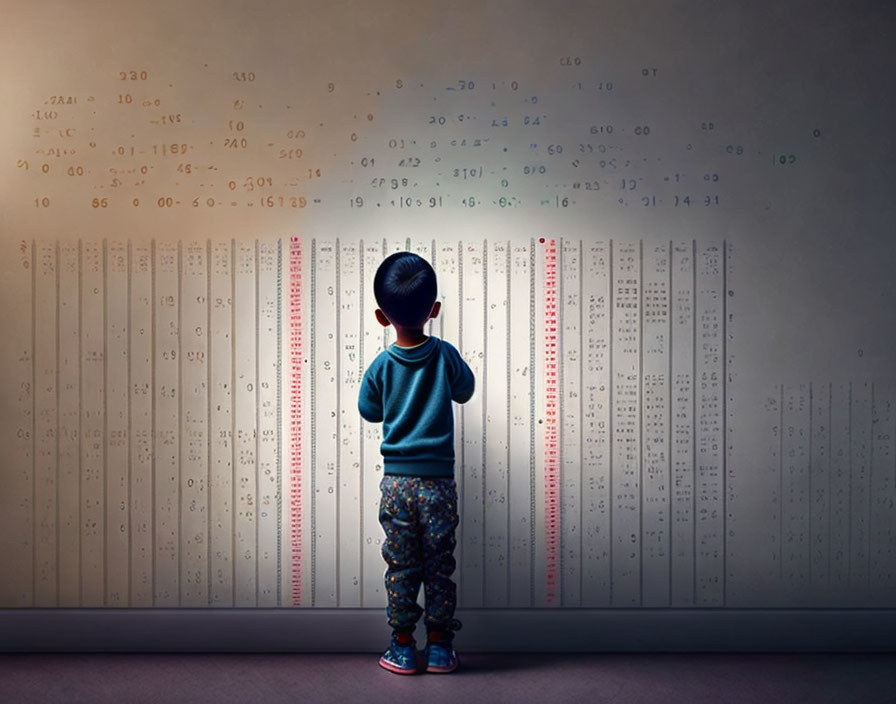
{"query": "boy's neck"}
[(410, 338)]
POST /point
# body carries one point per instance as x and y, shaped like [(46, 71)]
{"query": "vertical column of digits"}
[(421, 246), (496, 454), (710, 437), (296, 424), (595, 487), (194, 425), (350, 485), (795, 498), (655, 425), (570, 324), (17, 510), (326, 399), (69, 472), (268, 342), (859, 497), (473, 296), (117, 475), (281, 446), (819, 497), (682, 332), (840, 486), (767, 588), (519, 378), (424, 248), (626, 437), (889, 499), (92, 425), (166, 423), (447, 268), (537, 413), (220, 453), (141, 416), (391, 245), (245, 499), (733, 479), (46, 425), (883, 517), (370, 345), (551, 328)]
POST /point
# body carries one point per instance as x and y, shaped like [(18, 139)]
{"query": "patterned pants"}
[(419, 515)]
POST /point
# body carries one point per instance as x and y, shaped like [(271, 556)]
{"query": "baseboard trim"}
[(484, 630)]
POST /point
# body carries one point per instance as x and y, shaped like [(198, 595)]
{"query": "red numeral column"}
[(295, 416), (551, 468)]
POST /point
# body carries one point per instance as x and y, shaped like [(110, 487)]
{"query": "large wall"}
[(664, 239)]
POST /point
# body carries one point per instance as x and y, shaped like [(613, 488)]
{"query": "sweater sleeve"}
[(462, 380), (370, 398)]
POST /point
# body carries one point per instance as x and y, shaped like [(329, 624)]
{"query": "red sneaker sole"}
[(441, 670), (394, 668)]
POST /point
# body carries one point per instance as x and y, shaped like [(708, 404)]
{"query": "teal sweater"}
[(410, 389)]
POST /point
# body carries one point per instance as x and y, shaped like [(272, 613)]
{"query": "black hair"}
[(405, 288)]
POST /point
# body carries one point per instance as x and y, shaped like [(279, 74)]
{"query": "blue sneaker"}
[(401, 657), (440, 654)]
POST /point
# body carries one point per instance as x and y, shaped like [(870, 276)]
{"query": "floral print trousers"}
[(419, 516)]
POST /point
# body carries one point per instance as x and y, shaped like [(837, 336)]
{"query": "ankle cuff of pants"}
[(450, 627)]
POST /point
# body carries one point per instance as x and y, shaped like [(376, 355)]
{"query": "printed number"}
[(784, 158)]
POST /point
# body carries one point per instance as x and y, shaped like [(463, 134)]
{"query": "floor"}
[(695, 678)]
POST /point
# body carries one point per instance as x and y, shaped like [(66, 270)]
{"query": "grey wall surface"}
[(663, 235)]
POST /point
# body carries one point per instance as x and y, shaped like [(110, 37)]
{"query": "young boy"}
[(410, 387)]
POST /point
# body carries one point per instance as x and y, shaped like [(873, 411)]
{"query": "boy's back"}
[(410, 389)]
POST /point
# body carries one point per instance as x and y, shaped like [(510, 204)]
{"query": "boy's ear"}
[(436, 307), (381, 317)]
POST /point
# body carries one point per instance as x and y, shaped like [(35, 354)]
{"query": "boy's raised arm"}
[(463, 382)]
